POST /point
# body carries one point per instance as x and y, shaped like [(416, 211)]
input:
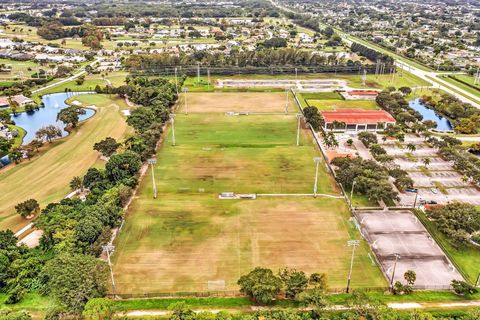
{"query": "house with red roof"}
[(356, 120)]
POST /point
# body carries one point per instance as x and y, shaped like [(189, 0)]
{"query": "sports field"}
[(340, 104), (46, 177), (188, 237)]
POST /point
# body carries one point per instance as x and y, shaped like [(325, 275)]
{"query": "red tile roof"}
[(362, 93), (357, 116)]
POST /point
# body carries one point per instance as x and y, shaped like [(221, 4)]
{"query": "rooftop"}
[(357, 116)]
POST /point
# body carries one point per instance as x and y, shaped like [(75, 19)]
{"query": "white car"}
[(434, 190)]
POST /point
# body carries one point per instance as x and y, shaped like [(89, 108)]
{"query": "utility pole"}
[(286, 101), (351, 191), (397, 256), (299, 116), (186, 104), (208, 78), (151, 162), (353, 244), (108, 249), (317, 161), (172, 118), (296, 74)]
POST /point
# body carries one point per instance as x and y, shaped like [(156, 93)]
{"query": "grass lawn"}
[(34, 303), (187, 236), (468, 79), (18, 67), (87, 85), (459, 84), (340, 104), (46, 177), (322, 96), (467, 260)]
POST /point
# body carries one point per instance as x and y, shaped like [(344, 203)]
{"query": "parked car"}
[(434, 190), (432, 202), (414, 190)]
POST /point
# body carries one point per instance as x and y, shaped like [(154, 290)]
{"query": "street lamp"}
[(172, 118), (151, 162), (317, 161), (186, 105), (299, 116), (353, 244), (415, 201), (397, 256), (108, 249)]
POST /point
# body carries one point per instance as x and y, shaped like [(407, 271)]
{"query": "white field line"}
[(297, 195)]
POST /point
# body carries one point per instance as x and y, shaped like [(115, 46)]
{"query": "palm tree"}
[(426, 162), (411, 147)]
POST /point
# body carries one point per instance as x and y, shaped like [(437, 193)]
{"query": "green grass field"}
[(19, 69), (341, 104), (46, 177), (187, 236)]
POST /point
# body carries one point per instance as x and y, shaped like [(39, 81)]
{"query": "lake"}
[(443, 124), (55, 102)]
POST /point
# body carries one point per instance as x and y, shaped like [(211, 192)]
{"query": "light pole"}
[(415, 201), (108, 249), (299, 116), (176, 81), (186, 104), (296, 74), (286, 101), (317, 161), (397, 256), (151, 162), (172, 117), (351, 191), (353, 244)]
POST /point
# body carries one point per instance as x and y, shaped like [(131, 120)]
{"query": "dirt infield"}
[(237, 102), (399, 232)]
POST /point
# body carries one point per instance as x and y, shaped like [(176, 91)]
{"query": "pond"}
[(31, 122), (443, 124)]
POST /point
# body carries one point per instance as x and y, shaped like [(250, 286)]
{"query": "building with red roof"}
[(354, 120)]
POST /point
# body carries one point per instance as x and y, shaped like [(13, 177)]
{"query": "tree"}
[(5, 145), (405, 90), (13, 105), (122, 166), (107, 146), (70, 115), (28, 208), (294, 281), (76, 183), (367, 138), (261, 285), (80, 80), (74, 279), (141, 119), (410, 276), (463, 288), (98, 309), (181, 311), (48, 133)]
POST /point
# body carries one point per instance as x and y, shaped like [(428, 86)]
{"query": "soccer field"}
[(187, 237)]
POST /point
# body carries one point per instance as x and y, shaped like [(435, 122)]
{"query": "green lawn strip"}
[(31, 302), (342, 104), (243, 302), (466, 260), (87, 85), (461, 85), (322, 96), (21, 133), (455, 90)]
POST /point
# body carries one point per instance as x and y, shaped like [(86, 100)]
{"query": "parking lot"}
[(399, 235), (431, 179)]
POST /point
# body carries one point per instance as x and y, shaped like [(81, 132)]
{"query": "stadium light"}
[(351, 191), (299, 116), (186, 104), (108, 249), (151, 162), (353, 244), (397, 256), (172, 118), (286, 101), (317, 161)]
